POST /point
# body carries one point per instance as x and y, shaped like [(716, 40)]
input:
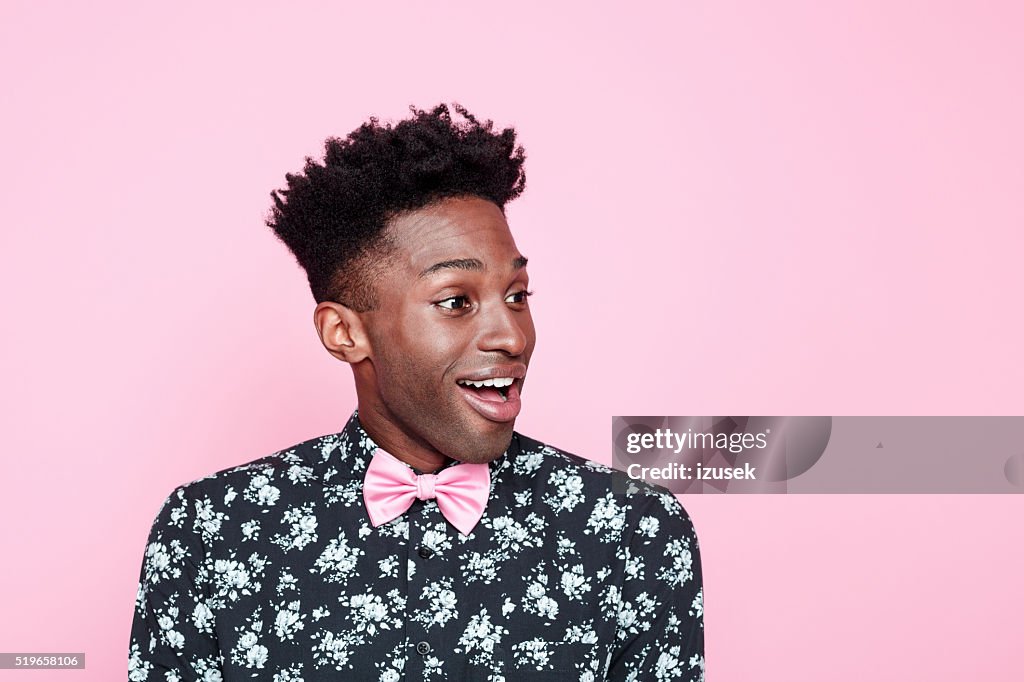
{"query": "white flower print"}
[(532, 653), (289, 620), (512, 536), (681, 569), (178, 516), (174, 639), (669, 503), (371, 613), (697, 661), (202, 618), (286, 581), (480, 637), (437, 538), (399, 528), (528, 463), (329, 447), (209, 669), (299, 474), (442, 604), (138, 669), (302, 526), (162, 561), (565, 546), (261, 491), (611, 598), (477, 567), (347, 494), (208, 521), (335, 649), (597, 466), (633, 566), (251, 530), (634, 616), (256, 657), (290, 674), (393, 664), (338, 560), (268, 495), (566, 491), (432, 667), (673, 623), (537, 600), (582, 633), (648, 526), (669, 666), (248, 651), (233, 578), (388, 567), (575, 583), (607, 519)]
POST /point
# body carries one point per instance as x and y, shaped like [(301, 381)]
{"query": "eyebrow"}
[(518, 263)]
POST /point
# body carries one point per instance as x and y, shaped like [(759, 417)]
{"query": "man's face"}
[(453, 309)]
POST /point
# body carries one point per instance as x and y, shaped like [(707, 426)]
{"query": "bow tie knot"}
[(390, 487), (425, 486)]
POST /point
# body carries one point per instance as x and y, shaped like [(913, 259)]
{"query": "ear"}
[(342, 332)]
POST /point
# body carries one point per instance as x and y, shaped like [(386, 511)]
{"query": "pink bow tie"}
[(390, 486)]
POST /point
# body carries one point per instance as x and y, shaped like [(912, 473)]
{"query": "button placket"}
[(423, 643)]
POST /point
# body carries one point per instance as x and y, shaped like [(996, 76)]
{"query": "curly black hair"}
[(333, 216)]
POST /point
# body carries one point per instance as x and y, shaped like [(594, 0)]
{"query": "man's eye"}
[(518, 297), (454, 303)]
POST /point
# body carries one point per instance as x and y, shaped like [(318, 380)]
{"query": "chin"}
[(485, 447)]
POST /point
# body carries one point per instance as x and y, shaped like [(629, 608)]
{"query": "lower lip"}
[(493, 410)]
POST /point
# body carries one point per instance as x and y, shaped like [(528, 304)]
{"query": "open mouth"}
[(494, 399), (490, 389)]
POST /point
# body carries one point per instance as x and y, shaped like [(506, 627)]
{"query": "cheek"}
[(421, 354)]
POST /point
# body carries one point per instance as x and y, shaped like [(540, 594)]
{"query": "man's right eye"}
[(454, 303)]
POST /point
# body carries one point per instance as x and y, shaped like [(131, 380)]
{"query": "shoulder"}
[(644, 505), (258, 483), (293, 465), (533, 457)]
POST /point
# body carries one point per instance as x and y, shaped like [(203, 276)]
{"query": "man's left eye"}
[(454, 303)]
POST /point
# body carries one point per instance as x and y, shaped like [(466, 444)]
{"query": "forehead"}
[(454, 228)]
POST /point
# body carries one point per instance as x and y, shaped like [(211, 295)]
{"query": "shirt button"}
[(423, 648), (425, 552)]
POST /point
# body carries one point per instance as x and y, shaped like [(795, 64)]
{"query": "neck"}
[(421, 456)]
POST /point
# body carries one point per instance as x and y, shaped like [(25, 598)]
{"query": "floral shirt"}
[(271, 570)]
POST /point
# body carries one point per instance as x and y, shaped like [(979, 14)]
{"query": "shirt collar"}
[(350, 451)]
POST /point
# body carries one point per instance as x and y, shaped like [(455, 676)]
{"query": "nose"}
[(505, 330)]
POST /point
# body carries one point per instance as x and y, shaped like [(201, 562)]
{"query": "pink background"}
[(732, 208)]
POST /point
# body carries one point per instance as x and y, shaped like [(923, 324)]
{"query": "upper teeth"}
[(500, 382)]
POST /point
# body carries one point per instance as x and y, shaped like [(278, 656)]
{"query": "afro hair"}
[(333, 216)]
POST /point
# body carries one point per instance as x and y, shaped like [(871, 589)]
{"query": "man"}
[(426, 540)]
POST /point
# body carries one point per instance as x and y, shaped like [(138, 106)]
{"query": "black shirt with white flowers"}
[(271, 570)]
